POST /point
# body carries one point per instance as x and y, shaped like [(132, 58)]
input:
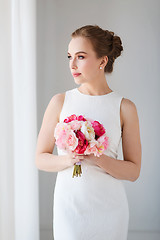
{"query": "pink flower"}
[(82, 143), (98, 146), (61, 139), (70, 118), (76, 125), (74, 117), (61, 127), (104, 141), (98, 128), (81, 118), (71, 141), (91, 148)]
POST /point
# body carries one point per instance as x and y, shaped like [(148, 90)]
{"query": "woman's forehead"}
[(78, 45)]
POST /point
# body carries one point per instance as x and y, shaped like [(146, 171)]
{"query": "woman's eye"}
[(78, 56), (81, 56)]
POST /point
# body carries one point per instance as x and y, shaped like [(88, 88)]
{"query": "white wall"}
[(135, 76), (46, 87)]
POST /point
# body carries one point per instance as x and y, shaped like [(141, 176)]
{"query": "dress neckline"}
[(87, 95)]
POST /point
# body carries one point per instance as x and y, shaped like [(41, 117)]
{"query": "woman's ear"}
[(104, 61)]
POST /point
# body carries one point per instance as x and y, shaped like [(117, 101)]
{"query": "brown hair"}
[(104, 43)]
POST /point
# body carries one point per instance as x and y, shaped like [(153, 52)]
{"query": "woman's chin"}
[(78, 81)]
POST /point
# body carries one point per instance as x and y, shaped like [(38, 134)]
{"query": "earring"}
[(100, 67)]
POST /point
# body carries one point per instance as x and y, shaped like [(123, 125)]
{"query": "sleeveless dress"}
[(93, 206)]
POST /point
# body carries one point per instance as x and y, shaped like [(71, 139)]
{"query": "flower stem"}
[(77, 170)]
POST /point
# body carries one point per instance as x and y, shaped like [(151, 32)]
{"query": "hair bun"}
[(117, 47)]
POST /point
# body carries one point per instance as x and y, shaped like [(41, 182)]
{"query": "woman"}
[(93, 206)]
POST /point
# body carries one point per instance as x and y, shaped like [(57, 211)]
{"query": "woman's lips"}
[(76, 74)]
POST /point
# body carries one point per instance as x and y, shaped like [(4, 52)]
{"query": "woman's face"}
[(82, 59)]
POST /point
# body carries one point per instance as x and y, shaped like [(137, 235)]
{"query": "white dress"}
[(93, 206)]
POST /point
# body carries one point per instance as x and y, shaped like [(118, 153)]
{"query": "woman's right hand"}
[(74, 158)]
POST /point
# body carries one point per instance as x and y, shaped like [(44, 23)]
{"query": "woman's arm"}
[(52, 163), (44, 159), (129, 169)]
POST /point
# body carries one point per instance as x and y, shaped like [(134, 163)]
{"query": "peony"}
[(103, 140), (76, 125), (74, 117), (71, 141), (91, 148), (81, 118), (61, 127), (98, 146), (61, 139), (88, 130), (98, 128), (70, 118), (82, 143)]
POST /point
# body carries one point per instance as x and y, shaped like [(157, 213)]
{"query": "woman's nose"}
[(73, 65)]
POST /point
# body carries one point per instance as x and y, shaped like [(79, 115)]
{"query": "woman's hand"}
[(74, 158), (92, 158)]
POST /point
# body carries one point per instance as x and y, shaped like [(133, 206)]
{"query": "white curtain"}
[(19, 205)]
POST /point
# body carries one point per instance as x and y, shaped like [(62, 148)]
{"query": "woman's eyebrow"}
[(79, 52)]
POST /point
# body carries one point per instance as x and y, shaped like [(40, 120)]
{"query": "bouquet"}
[(78, 134)]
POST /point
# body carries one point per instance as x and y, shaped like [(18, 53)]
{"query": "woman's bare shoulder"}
[(128, 110), (56, 103), (46, 141), (58, 98)]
